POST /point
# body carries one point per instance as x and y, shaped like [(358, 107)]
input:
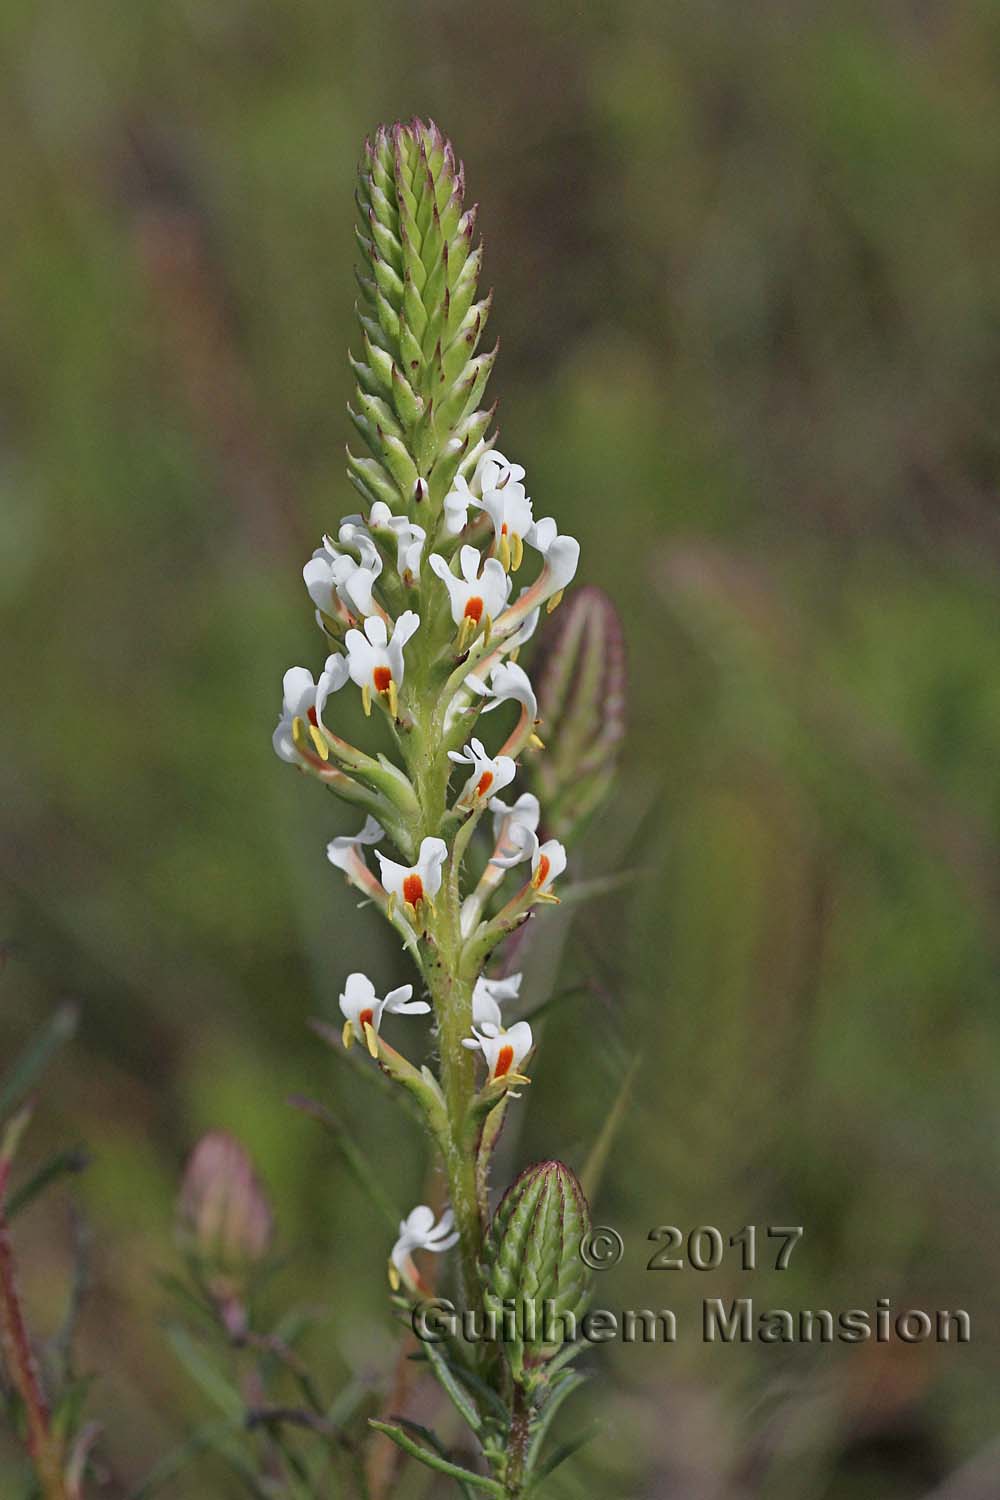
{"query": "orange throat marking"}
[(382, 678), (542, 873), (474, 609), (413, 890), (366, 1018), (484, 783), (504, 1059)]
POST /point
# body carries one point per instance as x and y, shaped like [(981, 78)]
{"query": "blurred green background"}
[(748, 287)]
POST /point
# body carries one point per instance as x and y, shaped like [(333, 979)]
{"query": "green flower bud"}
[(581, 683), (536, 1284), (224, 1221), (419, 378)]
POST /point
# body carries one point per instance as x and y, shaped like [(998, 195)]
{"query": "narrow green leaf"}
[(597, 1160), (35, 1058), (434, 1461), (563, 1452), (206, 1376), (358, 1164), (64, 1164), (465, 1408), (547, 1416)]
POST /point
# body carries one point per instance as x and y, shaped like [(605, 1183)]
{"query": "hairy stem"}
[(517, 1443)]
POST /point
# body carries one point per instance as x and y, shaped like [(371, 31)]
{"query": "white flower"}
[(418, 1231), (303, 702), (474, 598), (514, 837), (414, 884), (456, 505), (548, 861), (510, 511), (488, 775), (508, 682), (410, 539), (496, 488), (493, 473), (524, 813), (375, 661), (488, 995), (343, 851), (503, 1050), (333, 574), (514, 830), (513, 643), (363, 1009), (561, 554), (346, 854)]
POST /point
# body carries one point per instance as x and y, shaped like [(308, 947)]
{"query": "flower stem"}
[(517, 1443), (452, 999)]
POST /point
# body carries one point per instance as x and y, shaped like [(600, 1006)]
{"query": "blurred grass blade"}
[(213, 1437), (65, 1164), (355, 1159), (35, 1058), (205, 1375), (582, 686), (593, 1170), (563, 1452)]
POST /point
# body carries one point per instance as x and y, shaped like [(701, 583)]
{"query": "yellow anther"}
[(504, 550), (371, 1037), (393, 698), (554, 602), (394, 1280), (366, 700), (347, 1035), (514, 654), (547, 897), (390, 905), (322, 748), (299, 736), (465, 632), (487, 629), (516, 552), (535, 742)]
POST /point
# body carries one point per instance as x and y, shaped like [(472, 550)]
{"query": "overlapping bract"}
[(419, 374)]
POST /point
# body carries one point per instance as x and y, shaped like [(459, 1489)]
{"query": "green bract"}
[(533, 1269), (419, 378)]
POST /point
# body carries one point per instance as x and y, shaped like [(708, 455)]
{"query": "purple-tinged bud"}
[(224, 1221)]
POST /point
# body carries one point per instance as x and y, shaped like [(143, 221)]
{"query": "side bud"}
[(536, 1285), (224, 1223), (581, 680)]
